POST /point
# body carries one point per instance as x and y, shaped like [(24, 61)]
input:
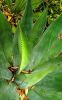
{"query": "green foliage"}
[(54, 9), (9, 3), (8, 91), (31, 58), (20, 4)]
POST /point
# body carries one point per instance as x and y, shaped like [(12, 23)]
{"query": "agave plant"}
[(31, 58)]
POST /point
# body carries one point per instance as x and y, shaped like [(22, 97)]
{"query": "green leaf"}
[(44, 94), (16, 50), (38, 28), (26, 23), (35, 77), (50, 88), (36, 3), (20, 4), (8, 91), (9, 3), (4, 72), (50, 44), (32, 95), (20, 78), (53, 81), (42, 71), (25, 27), (6, 37)]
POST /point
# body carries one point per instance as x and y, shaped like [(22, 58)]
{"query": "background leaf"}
[(20, 4), (9, 3)]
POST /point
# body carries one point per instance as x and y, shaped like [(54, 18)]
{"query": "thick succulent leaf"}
[(8, 91), (50, 44), (25, 51), (44, 94), (49, 88), (4, 71), (35, 77), (16, 50), (40, 73), (38, 28), (20, 78), (53, 81), (26, 23), (5, 74), (9, 3), (6, 37), (32, 95), (25, 27), (20, 4), (3, 60)]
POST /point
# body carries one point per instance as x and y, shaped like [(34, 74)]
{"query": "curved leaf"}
[(50, 44), (42, 71), (25, 27), (16, 50), (6, 37), (4, 72), (38, 28), (35, 77), (50, 88)]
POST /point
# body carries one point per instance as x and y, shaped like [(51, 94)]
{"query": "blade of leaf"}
[(50, 88), (25, 52), (50, 44), (38, 28), (40, 73), (4, 71), (16, 49), (26, 23), (5, 74), (32, 95), (25, 27), (8, 91), (6, 37), (40, 93), (35, 77)]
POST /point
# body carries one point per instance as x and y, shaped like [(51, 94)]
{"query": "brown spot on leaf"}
[(13, 69), (27, 72), (60, 36)]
